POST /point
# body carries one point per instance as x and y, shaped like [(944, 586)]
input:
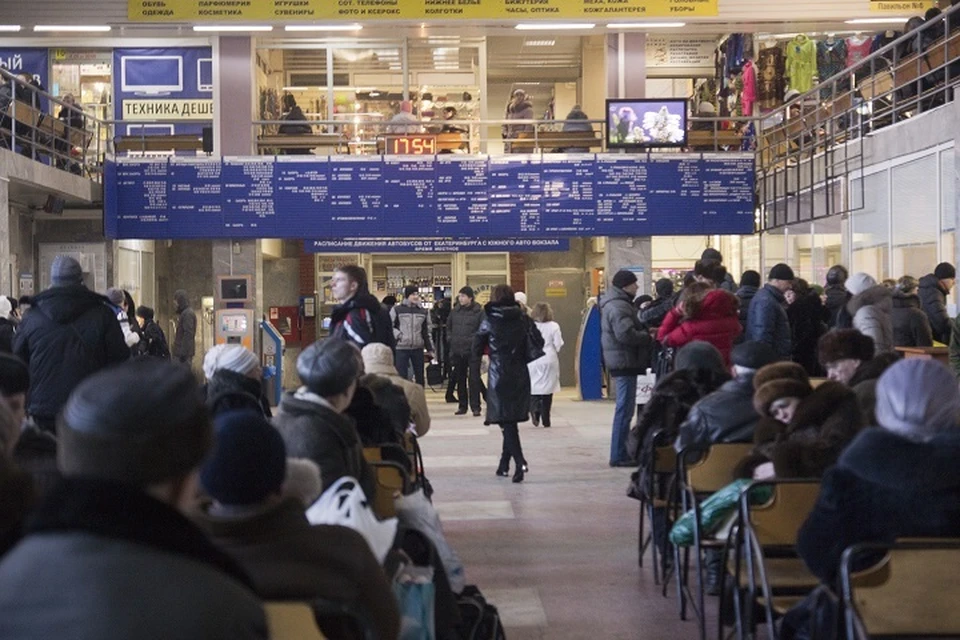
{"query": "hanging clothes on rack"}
[(801, 63), (883, 39), (771, 84), (733, 48), (858, 48), (831, 60), (749, 96)]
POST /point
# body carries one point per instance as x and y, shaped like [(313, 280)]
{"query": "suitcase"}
[(435, 374)]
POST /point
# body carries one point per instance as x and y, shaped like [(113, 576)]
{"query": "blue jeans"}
[(626, 387), (407, 358)]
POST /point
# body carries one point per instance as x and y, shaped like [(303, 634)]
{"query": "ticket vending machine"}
[(273, 344), (235, 326)]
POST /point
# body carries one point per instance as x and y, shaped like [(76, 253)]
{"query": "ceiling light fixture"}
[(323, 27), (553, 26), (296, 88), (877, 21), (75, 28), (238, 28), (9, 28), (647, 25), (539, 43)]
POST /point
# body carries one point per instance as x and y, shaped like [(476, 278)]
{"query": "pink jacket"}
[(749, 96)]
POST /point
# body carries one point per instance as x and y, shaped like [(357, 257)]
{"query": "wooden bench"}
[(550, 140), (714, 139), (157, 143), (47, 128), (940, 354), (332, 142)]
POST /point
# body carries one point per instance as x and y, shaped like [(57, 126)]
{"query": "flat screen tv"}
[(151, 75), (646, 123), (234, 288)]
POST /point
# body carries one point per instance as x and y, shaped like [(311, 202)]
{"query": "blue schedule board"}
[(448, 196), (435, 245)]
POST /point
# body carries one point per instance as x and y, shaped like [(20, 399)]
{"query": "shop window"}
[(948, 214), (827, 247), (870, 197), (916, 217)]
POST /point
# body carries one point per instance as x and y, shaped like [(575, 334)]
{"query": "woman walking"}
[(512, 340), (545, 371)]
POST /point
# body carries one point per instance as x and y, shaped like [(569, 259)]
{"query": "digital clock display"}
[(412, 145)]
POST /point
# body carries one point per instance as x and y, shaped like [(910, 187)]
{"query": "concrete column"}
[(631, 253), (593, 88), (8, 223), (234, 108)]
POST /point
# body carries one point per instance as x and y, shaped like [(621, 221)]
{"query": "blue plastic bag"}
[(415, 597)]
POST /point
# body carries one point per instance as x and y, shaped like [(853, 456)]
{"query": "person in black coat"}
[(910, 325), (805, 313), (69, 334), (153, 342), (749, 285), (359, 318), (294, 114), (234, 380), (654, 312), (835, 299), (513, 340), (934, 289)]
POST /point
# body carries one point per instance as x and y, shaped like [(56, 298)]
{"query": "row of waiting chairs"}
[(901, 596)]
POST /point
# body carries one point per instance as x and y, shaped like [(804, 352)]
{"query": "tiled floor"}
[(557, 554)]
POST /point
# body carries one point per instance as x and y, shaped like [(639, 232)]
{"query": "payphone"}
[(273, 344), (235, 326)]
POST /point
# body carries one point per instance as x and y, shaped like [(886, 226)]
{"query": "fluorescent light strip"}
[(647, 25), (297, 88), (539, 43), (899, 21), (9, 28), (232, 27), (76, 28), (553, 26), (323, 27)]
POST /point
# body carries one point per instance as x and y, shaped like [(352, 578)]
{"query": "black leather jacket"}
[(726, 415)]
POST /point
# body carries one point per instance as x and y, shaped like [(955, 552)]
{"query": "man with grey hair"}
[(69, 334), (131, 441), (728, 415)]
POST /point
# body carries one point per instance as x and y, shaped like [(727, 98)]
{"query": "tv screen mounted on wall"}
[(646, 123)]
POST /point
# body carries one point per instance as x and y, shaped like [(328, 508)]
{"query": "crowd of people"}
[(812, 378)]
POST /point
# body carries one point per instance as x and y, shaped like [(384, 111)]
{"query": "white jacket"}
[(545, 371)]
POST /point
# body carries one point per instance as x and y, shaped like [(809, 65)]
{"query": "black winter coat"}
[(806, 327), (883, 487), (462, 325), (657, 310), (153, 342), (933, 297), (910, 325), (506, 330), (362, 320), (745, 293), (229, 390), (835, 309), (69, 334), (6, 336), (725, 416), (313, 431), (185, 338)]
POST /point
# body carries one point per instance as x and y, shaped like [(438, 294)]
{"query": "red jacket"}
[(718, 324)]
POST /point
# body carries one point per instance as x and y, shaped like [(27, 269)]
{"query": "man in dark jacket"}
[(131, 441), (269, 534), (727, 415), (653, 313), (626, 354), (411, 328), (69, 334), (749, 285), (154, 341), (728, 283), (311, 418), (934, 289), (910, 325), (835, 299), (767, 320), (359, 317), (462, 325), (185, 339)]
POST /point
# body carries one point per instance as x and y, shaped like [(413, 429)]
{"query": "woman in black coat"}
[(511, 338), (805, 314)]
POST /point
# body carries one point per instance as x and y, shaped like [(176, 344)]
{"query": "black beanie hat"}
[(837, 275), (624, 278), (945, 271), (750, 278), (781, 272), (664, 288), (467, 291), (753, 355), (711, 254), (409, 290), (139, 423), (249, 460)]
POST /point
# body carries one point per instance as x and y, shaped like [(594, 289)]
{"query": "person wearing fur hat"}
[(704, 313), (264, 529), (871, 307), (132, 439), (767, 319), (934, 289), (234, 380), (847, 355)]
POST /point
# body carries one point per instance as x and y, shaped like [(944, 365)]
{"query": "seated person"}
[(35, 450), (900, 480), (727, 415), (132, 438), (286, 557), (847, 355), (311, 418), (234, 380), (378, 360), (17, 496)]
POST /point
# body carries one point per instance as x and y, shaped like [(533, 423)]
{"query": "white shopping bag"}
[(345, 504), (645, 384)]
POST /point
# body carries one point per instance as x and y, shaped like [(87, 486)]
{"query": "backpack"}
[(393, 403), (479, 620)]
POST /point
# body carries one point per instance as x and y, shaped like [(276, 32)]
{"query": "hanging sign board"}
[(906, 7), (671, 56)]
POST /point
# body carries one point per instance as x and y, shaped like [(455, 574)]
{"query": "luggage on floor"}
[(479, 620), (434, 374)]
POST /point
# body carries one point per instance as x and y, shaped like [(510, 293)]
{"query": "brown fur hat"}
[(844, 344), (771, 391), (778, 370)]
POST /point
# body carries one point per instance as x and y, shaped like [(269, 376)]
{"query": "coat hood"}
[(931, 281), (746, 292), (507, 313), (878, 296), (65, 304), (886, 459), (718, 304), (182, 299), (837, 295), (903, 300)]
